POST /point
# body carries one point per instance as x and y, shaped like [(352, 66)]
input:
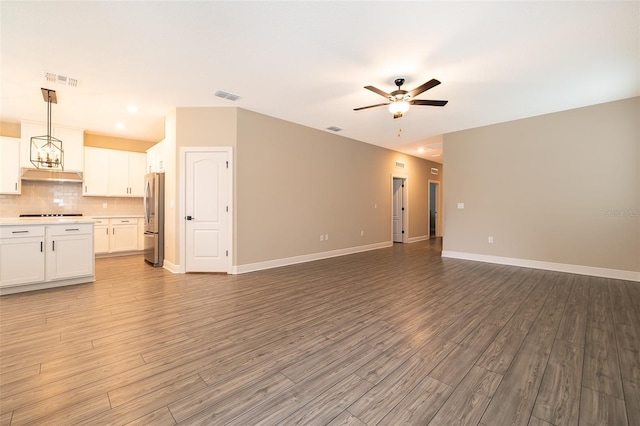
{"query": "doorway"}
[(399, 210), (434, 208)]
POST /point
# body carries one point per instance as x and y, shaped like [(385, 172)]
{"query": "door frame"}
[(405, 202), (182, 208), (438, 207)]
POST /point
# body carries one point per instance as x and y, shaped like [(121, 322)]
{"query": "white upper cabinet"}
[(72, 144), (155, 158), (9, 165), (114, 173), (96, 172)]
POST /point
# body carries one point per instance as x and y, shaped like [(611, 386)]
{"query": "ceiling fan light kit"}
[(400, 100)]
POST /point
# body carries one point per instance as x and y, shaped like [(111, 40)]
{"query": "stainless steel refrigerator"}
[(154, 219)]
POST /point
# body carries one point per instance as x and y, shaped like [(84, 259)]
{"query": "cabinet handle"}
[(19, 232), (53, 246), (72, 229), (123, 221), (114, 231), (41, 244), (85, 188), (16, 186), (106, 230)]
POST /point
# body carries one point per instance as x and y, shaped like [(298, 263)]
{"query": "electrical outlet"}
[(321, 237), (326, 237), (490, 240), (461, 206)]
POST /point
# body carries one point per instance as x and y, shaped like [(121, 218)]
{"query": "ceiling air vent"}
[(225, 95), (61, 79), (334, 128)]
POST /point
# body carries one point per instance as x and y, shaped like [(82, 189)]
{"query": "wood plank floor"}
[(387, 337)]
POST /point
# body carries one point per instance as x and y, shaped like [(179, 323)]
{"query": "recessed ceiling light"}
[(120, 126), (132, 109)]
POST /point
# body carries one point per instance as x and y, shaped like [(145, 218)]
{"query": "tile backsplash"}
[(65, 197)]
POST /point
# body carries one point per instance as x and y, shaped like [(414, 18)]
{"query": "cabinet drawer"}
[(21, 231), (124, 221), (70, 229)]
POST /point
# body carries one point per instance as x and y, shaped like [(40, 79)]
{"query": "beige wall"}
[(293, 183), (110, 142), (562, 188)]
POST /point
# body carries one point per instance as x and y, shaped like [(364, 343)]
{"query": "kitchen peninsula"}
[(44, 252)]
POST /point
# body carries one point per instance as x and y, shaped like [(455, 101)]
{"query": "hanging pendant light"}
[(46, 151)]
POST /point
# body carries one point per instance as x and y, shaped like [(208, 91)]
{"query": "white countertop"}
[(21, 221)]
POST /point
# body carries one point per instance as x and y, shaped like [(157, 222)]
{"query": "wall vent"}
[(226, 95), (334, 128), (61, 79), (399, 165)]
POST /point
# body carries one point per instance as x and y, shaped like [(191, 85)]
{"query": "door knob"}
[(190, 218)]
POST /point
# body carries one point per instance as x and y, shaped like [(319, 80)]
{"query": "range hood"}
[(50, 175)]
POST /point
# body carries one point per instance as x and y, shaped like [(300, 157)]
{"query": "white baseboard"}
[(259, 266), (416, 239), (174, 269), (549, 266)]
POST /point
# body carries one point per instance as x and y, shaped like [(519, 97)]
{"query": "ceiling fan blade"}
[(426, 102), (426, 86), (378, 91), (371, 106)]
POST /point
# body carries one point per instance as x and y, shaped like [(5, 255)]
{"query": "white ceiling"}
[(307, 62)]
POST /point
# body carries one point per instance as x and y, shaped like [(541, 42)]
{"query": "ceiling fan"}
[(400, 100)]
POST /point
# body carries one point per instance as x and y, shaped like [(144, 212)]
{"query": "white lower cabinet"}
[(117, 235), (21, 255), (69, 251), (40, 256), (101, 235)]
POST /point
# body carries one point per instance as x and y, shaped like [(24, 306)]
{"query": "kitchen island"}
[(38, 253)]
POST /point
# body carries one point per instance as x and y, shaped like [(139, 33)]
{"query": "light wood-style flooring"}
[(392, 336)]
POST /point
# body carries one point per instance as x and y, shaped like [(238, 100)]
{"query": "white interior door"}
[(397, 212), (207, 199)]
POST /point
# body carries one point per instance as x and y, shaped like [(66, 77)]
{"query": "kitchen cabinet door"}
[(21, 260), (69, 251), (118, 173), (9, 165), (101, 236), (124, 235), (137, 164), (96, 172)]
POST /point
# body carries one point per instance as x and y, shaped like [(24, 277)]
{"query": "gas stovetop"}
[(51, 215)]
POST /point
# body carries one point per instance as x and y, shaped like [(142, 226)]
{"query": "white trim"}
[(418, 238), (268, 264), (438, 206), (173, 268), (550, 266), (405, 205)]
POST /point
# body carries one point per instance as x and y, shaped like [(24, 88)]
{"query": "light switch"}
[(461, 206)]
